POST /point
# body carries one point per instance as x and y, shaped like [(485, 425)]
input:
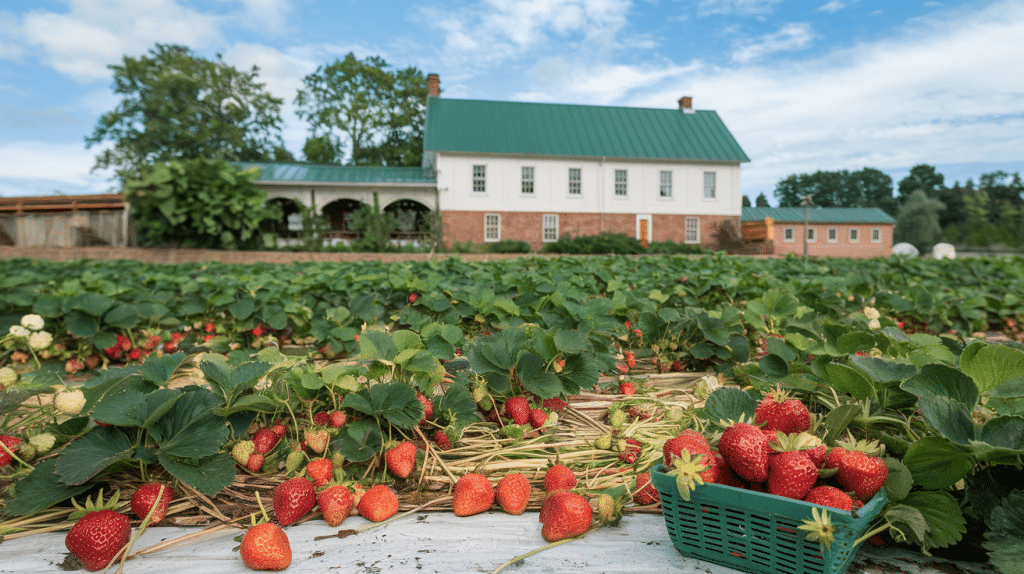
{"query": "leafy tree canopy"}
[(178, 106), (868, 187), (917, 222), (923, 177), (374, 112), (761, 200)]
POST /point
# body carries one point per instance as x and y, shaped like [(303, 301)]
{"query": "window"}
[(788, 234), (550, 232), (810, 234), (876, 235), (620, 182), (666, 184), (492, 227), (854, 235), (709, 185), (575, 180), (833, 235), (480, 178), (692, 230), (527, 180)]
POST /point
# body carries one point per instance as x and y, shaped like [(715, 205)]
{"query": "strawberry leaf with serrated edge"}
[(394, 403), (359, 441), (937, 463), (946, 523), (1006, 534)]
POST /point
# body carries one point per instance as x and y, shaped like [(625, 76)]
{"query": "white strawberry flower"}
[(40, 340), (19, 332), (32, 322), (871, 313), (8, 376)]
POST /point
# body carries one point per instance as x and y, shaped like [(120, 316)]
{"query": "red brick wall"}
[(460, 226), (842, 247)]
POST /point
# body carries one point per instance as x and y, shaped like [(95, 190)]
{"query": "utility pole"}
[(806, 202)]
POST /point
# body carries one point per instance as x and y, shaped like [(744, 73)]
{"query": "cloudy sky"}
[(803, 85)]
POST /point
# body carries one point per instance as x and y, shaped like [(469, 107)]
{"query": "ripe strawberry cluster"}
[(101, 532), (778, 455)]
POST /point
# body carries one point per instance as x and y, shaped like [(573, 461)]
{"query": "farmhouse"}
[(831, 232), (535, 172)]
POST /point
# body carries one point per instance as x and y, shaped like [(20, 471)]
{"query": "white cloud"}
[(93, 34), (793, 36), (265, 15), (35, 168), (596, 84), (833, 6), (741, 7)]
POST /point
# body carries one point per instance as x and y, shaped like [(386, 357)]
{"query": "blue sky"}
[(803, 85)]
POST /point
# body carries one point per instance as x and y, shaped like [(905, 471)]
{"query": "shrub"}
[(604, 243), (673, 248), (509, 246)]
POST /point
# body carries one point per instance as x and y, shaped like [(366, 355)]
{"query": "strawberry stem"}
[(541, 549)]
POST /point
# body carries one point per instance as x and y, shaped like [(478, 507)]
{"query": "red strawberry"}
[(745, 448), (724, 474), (626, 388), (864, 475), (817, 454), (566, 516), (546, 508), (97, 537), (265, 440), (518, 409), (146, 497), (378, 504), (538, 418), (401, 459), (335, 503), (8, 446), (556, 404), (559, 477), (473, 494), (829, 496), (293, 499), (413, 297), (513, 493), (442, 440), (280, 430), (320, 470), (317, 439), (428, 407), (265, 547), (792, 474), (691, 440), (778, 411), (630, 360), (322, 418), (338, 419), (835, 457), (255, 462)]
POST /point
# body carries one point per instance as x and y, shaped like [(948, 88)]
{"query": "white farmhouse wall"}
[(551, 186)]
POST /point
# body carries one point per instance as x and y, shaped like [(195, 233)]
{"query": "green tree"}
[(374, 111), (923, 177), (868, 187), (917, 221), (761, 200), (375, 227), (745, 202), (320, 149), (176, 105), (201, 203)]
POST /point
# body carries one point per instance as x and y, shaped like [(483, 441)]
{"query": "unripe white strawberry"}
[(242, 450), (43, 442), (70, 402)]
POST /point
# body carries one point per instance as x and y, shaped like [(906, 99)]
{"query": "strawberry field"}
[(315, 391)]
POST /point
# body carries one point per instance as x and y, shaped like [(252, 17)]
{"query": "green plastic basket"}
[(757, 532)]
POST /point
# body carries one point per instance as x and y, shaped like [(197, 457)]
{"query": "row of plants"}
[(432, 353)]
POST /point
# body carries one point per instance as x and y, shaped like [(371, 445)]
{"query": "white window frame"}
[(575, 181), (692, 228), (527, 180), (710, 185), (812, 235), (876, 235), (621, 183), (492, 227), (666, 184), (479, 179), (788, 234), (549, 228), (854, 235), (833, 235)]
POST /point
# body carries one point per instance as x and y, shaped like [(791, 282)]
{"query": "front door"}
[(643, 229)]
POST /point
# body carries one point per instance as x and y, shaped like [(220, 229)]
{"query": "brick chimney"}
[(433, 85), (686, 104)]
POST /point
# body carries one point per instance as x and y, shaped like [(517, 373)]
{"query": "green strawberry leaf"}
[(906, 520), (950, 418), (937, 463), (1011, 389), (456, 406), (571, 342), (208, 475), (882, 370), (232, 382), (131, 408), (848, 380), (531, 373), (838, 419), (728, 403), (774, 365), (395, 403), (243, 307), (946, 523), (191, 429), (122, 316), (900, 479), (581, 371), (359, 441), (377, 345), (92, 453), (991, 365), (41, 489), (1006, 535), (943, 381), (160, 369), (1001, 440)]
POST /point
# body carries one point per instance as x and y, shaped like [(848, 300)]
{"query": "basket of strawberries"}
[(769, 499)]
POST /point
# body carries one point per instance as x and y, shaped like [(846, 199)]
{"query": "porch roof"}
[(307, 173)]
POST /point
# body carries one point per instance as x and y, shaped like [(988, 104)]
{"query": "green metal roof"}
[(483, 126), (819, 214), (327, 173)]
